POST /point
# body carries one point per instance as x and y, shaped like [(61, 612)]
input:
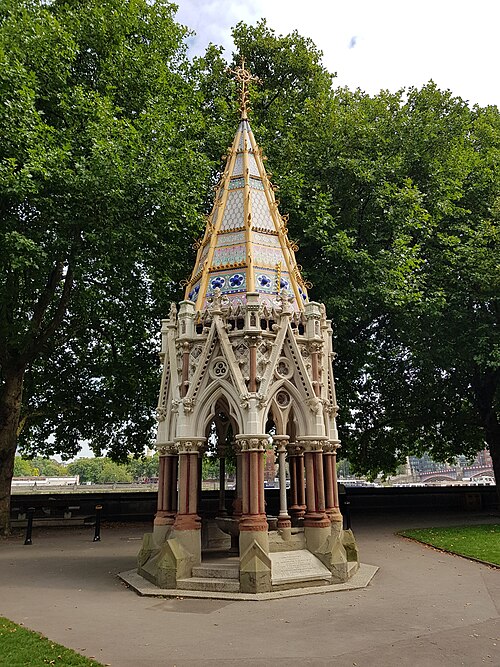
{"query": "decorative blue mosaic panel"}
[(229, 282), (193, 294), (256, 183)]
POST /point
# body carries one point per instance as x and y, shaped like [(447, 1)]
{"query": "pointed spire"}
[(245, 248)]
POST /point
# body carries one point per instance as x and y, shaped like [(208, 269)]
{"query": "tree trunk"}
[(485, 389), (493, 440), (10, 410)]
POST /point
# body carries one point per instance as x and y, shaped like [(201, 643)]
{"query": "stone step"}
[(217, 571), (209, 584)]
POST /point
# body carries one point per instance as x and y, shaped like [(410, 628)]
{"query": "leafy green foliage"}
[(99, 470), (147, 467), (481, 542), (101, 176), (20, 646), (110, 143), (394, 202), (38, 466)]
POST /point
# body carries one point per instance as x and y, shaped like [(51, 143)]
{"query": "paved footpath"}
[(423, 608)]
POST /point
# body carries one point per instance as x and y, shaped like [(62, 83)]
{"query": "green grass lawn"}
[(19, 646), (481, 542)]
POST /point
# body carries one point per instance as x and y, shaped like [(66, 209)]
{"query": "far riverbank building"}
[(247, 362)]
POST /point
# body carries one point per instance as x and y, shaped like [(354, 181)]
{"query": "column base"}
[(284, 522), (334, 515), (187, 522), (253, 523), (316, 520)]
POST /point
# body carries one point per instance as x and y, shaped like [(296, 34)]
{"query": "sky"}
[(375, 44)]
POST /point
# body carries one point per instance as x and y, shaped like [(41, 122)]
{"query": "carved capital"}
[(188, 404), (167, 449), (253, 443), (280, 443), (335, 444), (253, 339), (190, 445), (312, 444), (294, 449)]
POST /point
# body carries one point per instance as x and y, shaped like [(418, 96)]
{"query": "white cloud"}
[(396, 43)]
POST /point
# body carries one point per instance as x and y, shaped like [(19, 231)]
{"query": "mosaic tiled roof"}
[(245, 247)]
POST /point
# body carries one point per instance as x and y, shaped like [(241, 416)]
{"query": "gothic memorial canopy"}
[(247, 373)]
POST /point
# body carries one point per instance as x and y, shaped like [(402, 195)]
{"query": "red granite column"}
[(315, 516), (300, 481), (331, 491), (297, 491), (165, 514), (187, 515), (253, 517), (238, 500), (337, 515)]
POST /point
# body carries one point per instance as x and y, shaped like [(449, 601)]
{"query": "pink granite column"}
[(331, 491), (187, 515), (253, 516), (297, 491), (315, 516), (165, 514)]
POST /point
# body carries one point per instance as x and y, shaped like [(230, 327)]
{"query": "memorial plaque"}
[(292, 566)]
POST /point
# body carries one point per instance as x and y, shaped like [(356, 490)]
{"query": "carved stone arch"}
[(276, 416), (223, 419), (300, 410), (219, 390)]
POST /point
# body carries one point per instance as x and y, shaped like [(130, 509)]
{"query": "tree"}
[(22, 467), (101, 175), (394, 201), (48, 467), (144, 467), (99, 470)]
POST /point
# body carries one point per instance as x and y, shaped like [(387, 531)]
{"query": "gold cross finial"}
[(243, 76)]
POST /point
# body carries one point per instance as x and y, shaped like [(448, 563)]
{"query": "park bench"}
[(48, 512)]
